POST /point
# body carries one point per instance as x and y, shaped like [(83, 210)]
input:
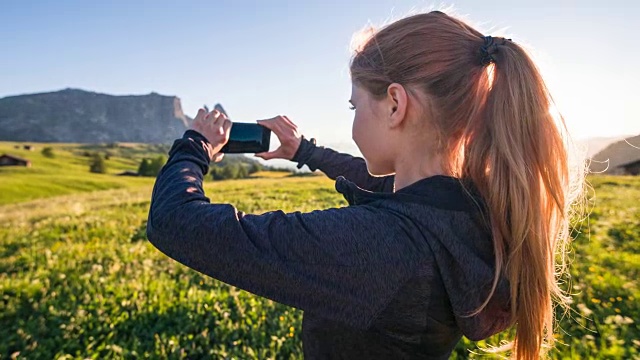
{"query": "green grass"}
[(68, 172), (79, 280)]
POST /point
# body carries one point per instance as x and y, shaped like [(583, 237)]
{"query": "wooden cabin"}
[(631, 168)]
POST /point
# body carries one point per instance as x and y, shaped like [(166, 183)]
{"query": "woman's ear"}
[(397, 102)]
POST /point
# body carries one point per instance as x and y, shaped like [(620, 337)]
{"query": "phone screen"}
[(247, 138)]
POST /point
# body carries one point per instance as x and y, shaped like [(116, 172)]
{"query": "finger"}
[(276, 124), (264, 155), (268, 123), (217, 114), (200, 115), (211, 116), (226, 127), (218, 157), (219, 119), (290, 122), (285, 123)]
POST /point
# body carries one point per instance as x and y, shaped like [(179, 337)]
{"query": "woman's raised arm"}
[(296, 147), (348, 274), (335, 164)]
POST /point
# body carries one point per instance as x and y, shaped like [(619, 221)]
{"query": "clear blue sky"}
[(264, 58)]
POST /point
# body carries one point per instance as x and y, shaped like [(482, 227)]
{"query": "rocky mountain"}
[(79, 116), (610, 159)]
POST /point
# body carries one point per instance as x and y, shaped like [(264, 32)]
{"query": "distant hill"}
[(79, 116), (610, 159), (596, 144)]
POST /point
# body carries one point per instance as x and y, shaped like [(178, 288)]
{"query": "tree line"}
[(231, 167)]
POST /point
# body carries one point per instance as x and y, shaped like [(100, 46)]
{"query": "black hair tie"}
[(489, 48)]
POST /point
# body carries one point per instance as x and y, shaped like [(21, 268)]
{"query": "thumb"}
[(218, 157), (263, 155), (267, 155)]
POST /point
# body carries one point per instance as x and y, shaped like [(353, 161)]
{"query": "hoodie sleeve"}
[(335, 164), (339, 263)]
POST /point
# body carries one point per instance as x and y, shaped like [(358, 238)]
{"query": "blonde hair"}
[(494, 127)]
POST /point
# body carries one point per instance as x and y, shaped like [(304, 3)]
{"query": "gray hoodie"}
[(391, 276)]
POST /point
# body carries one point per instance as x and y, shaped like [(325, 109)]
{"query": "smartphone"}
[(246, 137)]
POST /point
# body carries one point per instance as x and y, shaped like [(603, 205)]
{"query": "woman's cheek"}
[(356, 132)]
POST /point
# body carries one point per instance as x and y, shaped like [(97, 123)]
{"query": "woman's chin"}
[(378, 170)]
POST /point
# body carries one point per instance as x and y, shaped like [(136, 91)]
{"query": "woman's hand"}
[(215, 127), (287, 133)]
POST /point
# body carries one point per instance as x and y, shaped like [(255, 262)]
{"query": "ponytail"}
[(519, 162)]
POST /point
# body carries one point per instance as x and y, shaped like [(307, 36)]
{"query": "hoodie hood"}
[(465, 259)]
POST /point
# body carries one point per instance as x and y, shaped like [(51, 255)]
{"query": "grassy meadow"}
[(79, 279), (68, 171)]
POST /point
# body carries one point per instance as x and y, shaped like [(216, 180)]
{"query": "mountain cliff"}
[(79, 116)]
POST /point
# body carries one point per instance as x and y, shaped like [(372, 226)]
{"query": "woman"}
[(454, 216)]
